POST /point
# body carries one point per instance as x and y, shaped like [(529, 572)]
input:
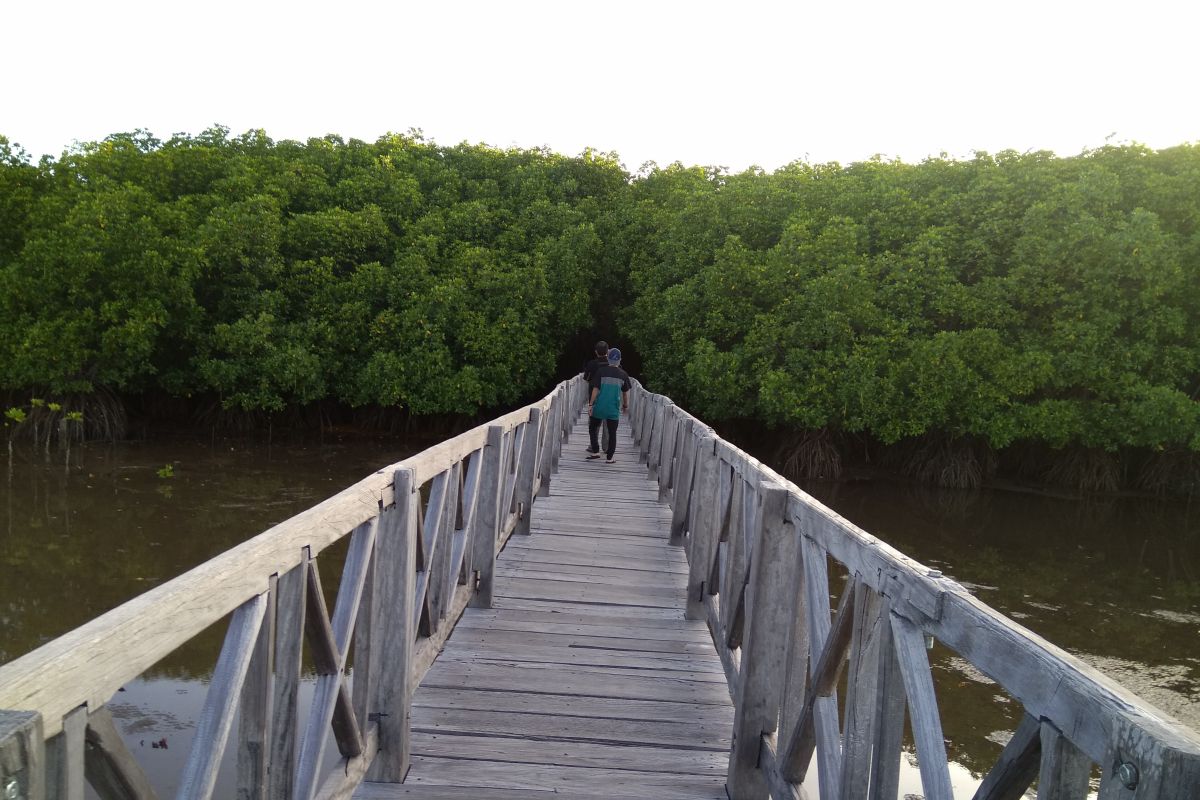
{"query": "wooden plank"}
[(109, 766), (802, 739), (220, 702), (859, 728), (487, 518), (289, 639), (1065, 773), (796, 679), (343, 780), (1017, 766), (472, 662), (533, 725), (438, 580), (254, 708), (525, 471), (922, 703), (577, 682), (574, 754), (584, 616), (825, 707), (570, 633), (396, 562), (68, 780), (734, 572), (22, 755), (702, 538), (772, 770), (667, 456), (683, 484), (888, 734), (708, 716), (570, 781), (329, 642), (764, 654)]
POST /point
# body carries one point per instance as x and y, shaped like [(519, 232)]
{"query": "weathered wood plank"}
[(764, 655), (220, 703), (1017, 766), (487, 518), (471, 773), (110, 768), (254, 708), (396, 558), (22, 755), (533, 725), (289, 639), (1065, 773), (922, 703), (525, 471)]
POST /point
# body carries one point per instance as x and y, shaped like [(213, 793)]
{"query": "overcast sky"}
[(733, 84)]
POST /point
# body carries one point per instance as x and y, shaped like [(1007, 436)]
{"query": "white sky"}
[(732, 84)]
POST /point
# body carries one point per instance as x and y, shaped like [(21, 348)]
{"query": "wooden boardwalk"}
[(584, 680)]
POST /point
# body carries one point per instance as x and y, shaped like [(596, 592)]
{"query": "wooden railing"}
[(424, 534), (759, 552)]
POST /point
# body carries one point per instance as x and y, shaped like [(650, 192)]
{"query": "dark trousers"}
[(594, 432)]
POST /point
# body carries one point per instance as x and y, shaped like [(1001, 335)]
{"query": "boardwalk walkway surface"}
[(584, 680)]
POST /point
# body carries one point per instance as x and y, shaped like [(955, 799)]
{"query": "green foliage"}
[(399, 273), (1006, 299), (1003, 299)]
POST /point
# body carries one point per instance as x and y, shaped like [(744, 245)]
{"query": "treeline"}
[(1017, 312), (1029, 313), (270, 274)]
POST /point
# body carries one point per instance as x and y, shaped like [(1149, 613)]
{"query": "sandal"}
[(592, 456)]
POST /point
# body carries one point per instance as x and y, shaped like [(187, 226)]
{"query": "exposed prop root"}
[(1086, 470), (810, 454)]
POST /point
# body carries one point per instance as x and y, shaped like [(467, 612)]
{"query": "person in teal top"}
[(610, 397)]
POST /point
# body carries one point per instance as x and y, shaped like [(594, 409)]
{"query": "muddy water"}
[(1114, 582)]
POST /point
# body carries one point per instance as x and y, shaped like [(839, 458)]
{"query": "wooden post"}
[(1065, 772), (110, 768), (254, 709), (396, 559), (565, 418), (702, 542), (922, 704), (681, 501), (289, 641), (487, 518), (550, 442), (654, 454), (666, 459), (220, 703), (525, 470), (22, 755), (764, 651)]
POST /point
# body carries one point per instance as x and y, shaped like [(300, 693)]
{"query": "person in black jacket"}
[(601, 360), (589, 372)]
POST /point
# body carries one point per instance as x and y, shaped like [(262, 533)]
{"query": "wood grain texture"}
[(584, 678)]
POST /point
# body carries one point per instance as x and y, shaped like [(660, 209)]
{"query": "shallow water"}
[(1114, 582)]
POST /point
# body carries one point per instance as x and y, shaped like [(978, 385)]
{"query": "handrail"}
[(758, 550), (416, 560)]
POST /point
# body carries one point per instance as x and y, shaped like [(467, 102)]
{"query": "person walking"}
[(609, 398), (589, 369)]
